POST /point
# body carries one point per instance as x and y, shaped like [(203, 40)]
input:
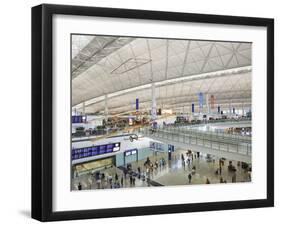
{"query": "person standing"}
[(79, 186), (99, 183), (189, 178), (122, 181), (110, 180), (249, 175), (207, 181), (234, 178)]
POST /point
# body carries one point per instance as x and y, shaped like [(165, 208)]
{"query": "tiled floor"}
[(173, 173)]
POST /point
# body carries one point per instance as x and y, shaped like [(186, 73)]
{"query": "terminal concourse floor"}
[(178, 175), (174, 172)]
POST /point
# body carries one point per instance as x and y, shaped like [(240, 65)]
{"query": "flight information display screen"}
[(78, 153), (78, 119)]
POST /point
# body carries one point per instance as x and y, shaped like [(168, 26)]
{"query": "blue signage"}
[(78, 153), (171, 148), (78, 119), (130, 152), (137, 104), (192, 108)]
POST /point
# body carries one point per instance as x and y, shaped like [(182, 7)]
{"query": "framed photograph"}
[(145, 112)]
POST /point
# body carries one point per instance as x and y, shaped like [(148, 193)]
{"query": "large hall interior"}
[(150, 112)]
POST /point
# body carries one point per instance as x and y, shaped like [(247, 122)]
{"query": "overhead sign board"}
[(78, 153)]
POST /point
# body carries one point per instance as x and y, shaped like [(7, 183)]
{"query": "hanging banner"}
[(201, 100), (192, 108), (219, 109), (137, 104), (233, 110), (212, 100)]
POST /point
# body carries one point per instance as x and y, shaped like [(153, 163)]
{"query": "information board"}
[(78, 119), (79, 153)]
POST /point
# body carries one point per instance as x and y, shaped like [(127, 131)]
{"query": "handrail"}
[(222, 144), (206, 133)]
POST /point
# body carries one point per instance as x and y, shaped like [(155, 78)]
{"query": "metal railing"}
[(217, 141), (212, 134)]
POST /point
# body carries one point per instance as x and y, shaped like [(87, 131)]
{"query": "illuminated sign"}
[(130, 152), (171, 148), (78, 153), (78, 119)]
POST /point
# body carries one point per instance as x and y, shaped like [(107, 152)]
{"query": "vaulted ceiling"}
[(123, 69)]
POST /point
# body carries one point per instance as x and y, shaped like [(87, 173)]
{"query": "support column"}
[(105, 111), (243, 109), (153, 106), (105, 108), (83, 109)]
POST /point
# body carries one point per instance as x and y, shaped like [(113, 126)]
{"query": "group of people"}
[(129, 171), (106, 180), (187, 159), (230, 168), (190, 156), (150, 166)]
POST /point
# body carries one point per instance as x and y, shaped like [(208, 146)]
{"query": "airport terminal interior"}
[(150, 112)]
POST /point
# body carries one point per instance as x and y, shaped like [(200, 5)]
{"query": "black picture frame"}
[(42, 111)]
